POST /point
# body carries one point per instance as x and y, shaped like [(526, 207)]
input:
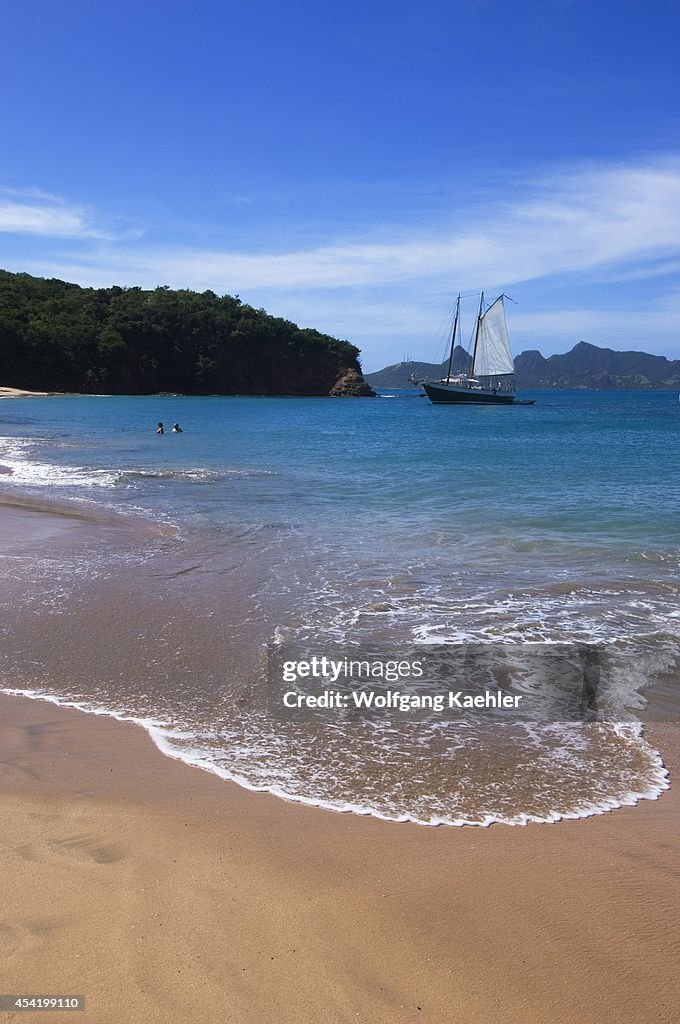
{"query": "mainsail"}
[(492, 351)]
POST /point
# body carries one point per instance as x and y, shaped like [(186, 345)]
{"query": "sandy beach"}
[(6, 392), (161, 892)]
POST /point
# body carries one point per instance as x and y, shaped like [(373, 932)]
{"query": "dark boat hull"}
[(448, 394)]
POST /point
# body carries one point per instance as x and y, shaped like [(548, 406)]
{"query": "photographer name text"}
[(396, 700)]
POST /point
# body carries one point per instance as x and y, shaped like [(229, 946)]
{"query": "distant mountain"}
[(590, 367), (585, 366), (397, 375)]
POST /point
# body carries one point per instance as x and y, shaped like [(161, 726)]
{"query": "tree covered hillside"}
[(61, 337)]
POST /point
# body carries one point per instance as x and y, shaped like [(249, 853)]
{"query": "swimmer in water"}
[(176, 429), (159, 429)]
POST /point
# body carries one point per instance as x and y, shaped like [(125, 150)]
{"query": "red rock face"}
[(350, 384)]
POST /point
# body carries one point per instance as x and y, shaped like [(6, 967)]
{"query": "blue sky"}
[(352, 166)]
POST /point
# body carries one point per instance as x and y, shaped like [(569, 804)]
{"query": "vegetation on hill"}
[(61, 337)]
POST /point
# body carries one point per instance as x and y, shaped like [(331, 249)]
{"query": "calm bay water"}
[(352, 521)]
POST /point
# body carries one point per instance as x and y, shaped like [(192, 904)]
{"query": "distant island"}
[(56, 336), (586, 367)]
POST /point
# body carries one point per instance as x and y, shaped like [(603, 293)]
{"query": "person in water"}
[(159, 429), (176, 429)]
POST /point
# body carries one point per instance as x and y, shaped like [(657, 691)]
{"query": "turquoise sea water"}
[(354, 520), (595, 466)]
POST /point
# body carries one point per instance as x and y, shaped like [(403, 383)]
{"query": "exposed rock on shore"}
[(352, 385)]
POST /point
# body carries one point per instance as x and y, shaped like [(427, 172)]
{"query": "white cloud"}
[(607, 223), (573, 222), (30, 193), (23, 219), (33, 212), (568, 224)]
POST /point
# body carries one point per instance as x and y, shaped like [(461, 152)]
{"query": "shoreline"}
[(6, 392), (157, 734), (27, 521), (221, 903)]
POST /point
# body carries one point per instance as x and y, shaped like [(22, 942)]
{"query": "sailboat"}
[(491, 380)]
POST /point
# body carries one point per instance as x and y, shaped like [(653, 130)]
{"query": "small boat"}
[(491, 380)]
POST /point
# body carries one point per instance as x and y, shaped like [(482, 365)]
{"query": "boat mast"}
[(479, 320), (453, 340)]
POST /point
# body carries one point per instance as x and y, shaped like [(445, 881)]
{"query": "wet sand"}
[(163, 893)]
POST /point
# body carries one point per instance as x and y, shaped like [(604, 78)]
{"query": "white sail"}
[(493, 356)]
